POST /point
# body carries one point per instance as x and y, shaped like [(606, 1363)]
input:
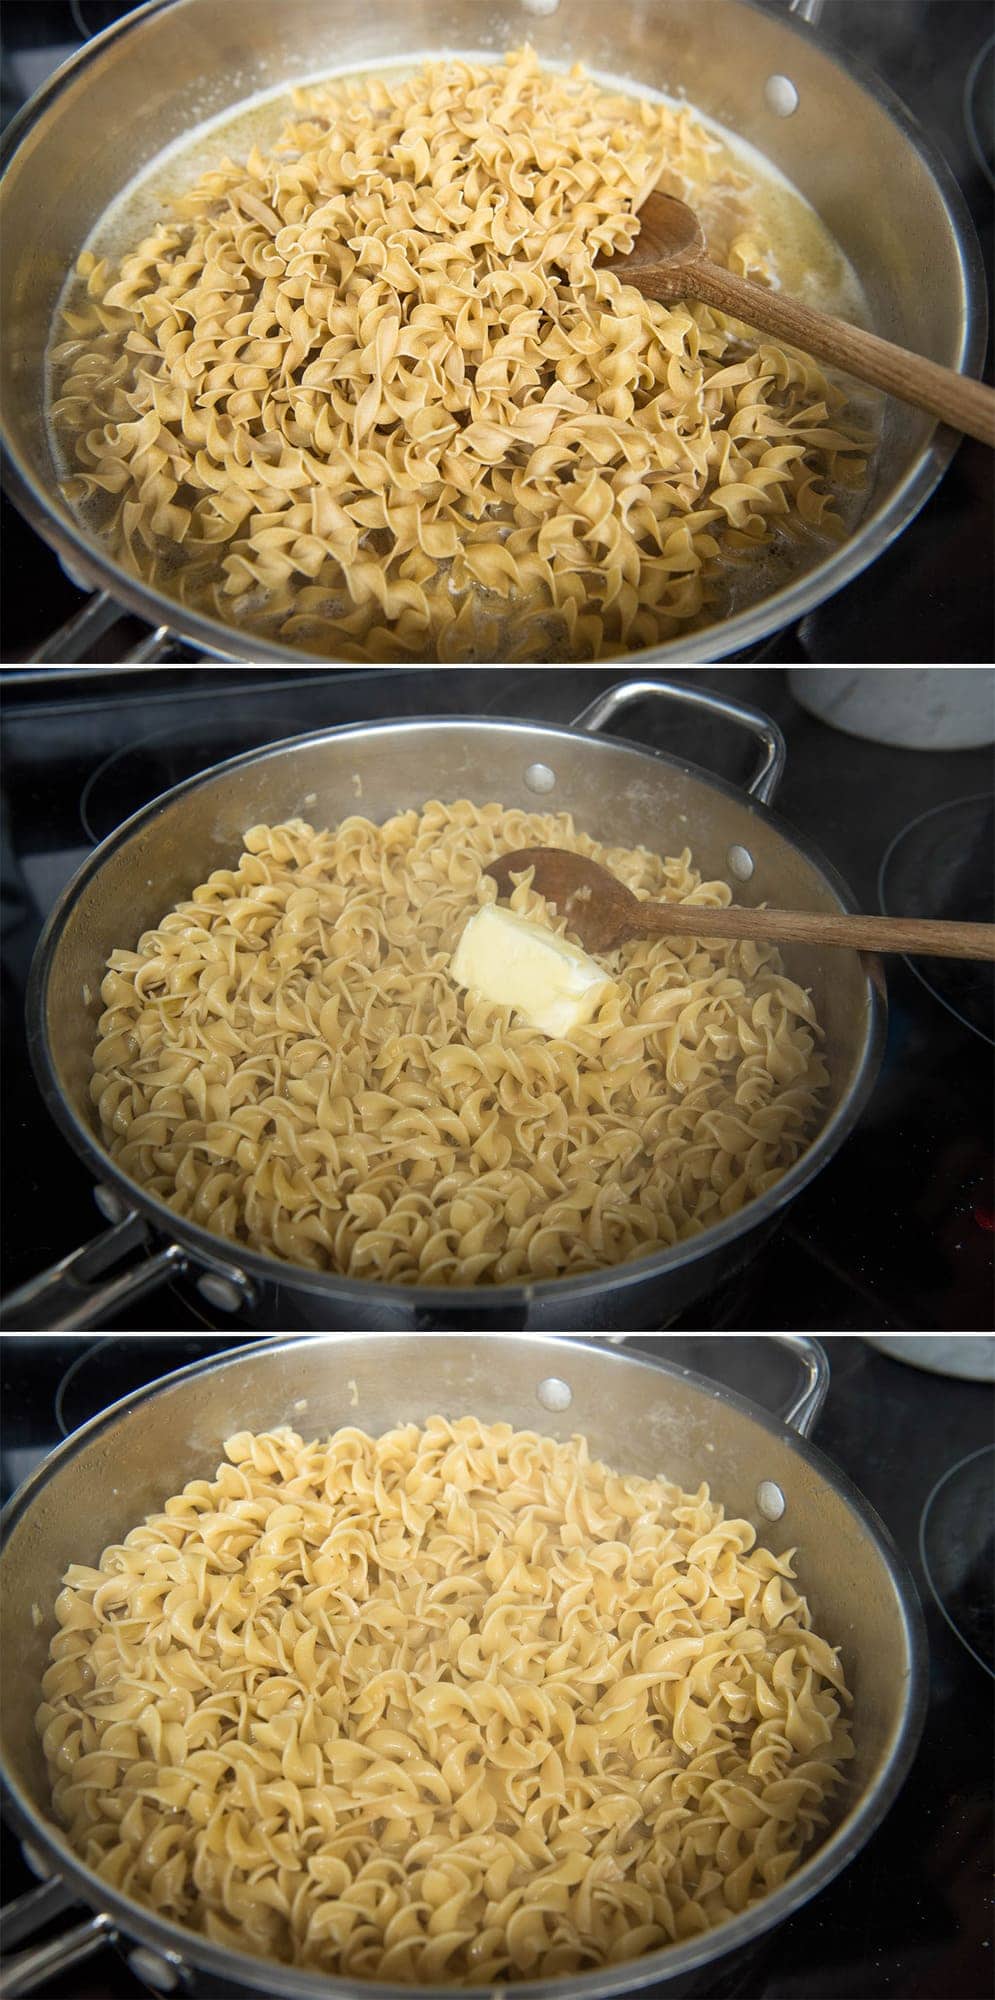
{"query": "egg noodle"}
[(368, 394), (455, 1705), (287, 1060)]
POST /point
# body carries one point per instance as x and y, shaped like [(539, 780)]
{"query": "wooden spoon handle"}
[(904, 934), (958, 399)]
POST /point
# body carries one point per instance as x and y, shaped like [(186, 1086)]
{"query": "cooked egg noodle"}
[(368, 393), (287, 1061)]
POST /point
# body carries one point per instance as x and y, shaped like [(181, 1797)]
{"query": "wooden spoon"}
[(668, 262), (602, 912)]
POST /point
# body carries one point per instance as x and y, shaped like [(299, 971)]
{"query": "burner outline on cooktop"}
[(940, 969), (952, 1473)]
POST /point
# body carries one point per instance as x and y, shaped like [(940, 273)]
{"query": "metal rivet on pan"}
[(554, 1394), (155, 1971), (741, 863), (539, 778), (770, 1500), (780, 96), (111, 1205), (225, 1293)]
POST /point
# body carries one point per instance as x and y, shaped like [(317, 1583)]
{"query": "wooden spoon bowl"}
[(603, 913)]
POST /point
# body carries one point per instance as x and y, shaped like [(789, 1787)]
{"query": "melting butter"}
[(516, 963)]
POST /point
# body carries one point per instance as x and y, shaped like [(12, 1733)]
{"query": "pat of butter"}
[(519, 964)]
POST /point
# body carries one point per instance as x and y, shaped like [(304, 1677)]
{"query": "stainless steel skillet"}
[(639, 1415), (614, 789), (834, 129)]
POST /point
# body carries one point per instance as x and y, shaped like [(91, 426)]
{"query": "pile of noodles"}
[(368, 393), (456, 1705), (287, 1060)]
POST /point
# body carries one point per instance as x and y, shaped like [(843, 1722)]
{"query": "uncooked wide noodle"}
[(456, 1705), (287, 1061), (368, 393)]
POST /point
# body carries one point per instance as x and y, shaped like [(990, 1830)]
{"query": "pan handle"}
[(29, 1971), (803, 1411), (774, 752), (73, 1295)]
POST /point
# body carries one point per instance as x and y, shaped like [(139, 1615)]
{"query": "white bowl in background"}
[(957, 1354)]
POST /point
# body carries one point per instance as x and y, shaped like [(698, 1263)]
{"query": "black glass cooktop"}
[(929, 597), (910, 1918), (894, 1235)]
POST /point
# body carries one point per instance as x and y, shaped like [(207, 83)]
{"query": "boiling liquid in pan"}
[(808, 264)]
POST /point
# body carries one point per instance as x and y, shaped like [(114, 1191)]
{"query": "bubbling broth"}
[(346, 370)]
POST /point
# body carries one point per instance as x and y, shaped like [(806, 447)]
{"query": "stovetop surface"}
[(928, 597), (894, 1235), (910, 1919)]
